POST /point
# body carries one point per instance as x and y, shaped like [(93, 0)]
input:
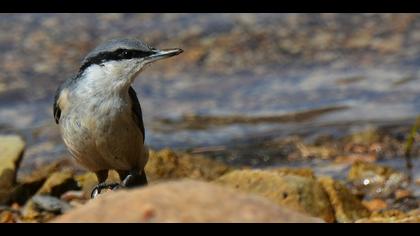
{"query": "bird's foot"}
[(129, 181), (99, 187)]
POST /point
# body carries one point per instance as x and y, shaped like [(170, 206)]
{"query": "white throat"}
[(111, 76)]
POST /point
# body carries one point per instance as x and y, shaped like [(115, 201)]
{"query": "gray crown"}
[(114, 44)]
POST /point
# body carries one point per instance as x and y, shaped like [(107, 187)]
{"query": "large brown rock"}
[(166, 164), (300, 193), (181, 201), (11, 151)]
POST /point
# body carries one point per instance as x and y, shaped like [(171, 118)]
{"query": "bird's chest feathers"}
[(100, 103)]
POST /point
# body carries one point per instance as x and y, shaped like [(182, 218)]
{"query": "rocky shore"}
[(194, 188)]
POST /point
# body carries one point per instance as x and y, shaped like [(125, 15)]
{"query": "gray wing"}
[(56, 107), (136, 110)]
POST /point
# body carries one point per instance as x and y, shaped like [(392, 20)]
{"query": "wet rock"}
[(181, 201), (296, 192), (166, 164), (54, 186), (347, 207), (376, 180), (50, 204), (11, 153)]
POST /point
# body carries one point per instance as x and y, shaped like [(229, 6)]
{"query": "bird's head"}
[(124, 58)]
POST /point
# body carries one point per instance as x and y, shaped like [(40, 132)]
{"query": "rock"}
[(72, 195), (375, 204), (86, 182), (57, 184), (346, 206), (181, 201), (304, 172), (166, 164), (28, 185), (300, 193), (321, 152), (7, 217), (12, 148), (402, 193), (406, 204), (31, 212), (360, 169), (376, 180), (9, 214), (50, 204), (367, 136), (392, 216), (42, 172), (23, 192), (352, 158)]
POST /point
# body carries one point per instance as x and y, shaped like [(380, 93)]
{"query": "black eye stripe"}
[(117, 55), (121, 54)]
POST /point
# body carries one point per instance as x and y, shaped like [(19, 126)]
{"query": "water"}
[(244, 65)]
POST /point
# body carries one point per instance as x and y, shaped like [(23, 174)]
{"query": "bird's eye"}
[(123, 54)]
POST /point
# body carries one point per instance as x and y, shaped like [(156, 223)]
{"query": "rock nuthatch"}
[(99, 114)]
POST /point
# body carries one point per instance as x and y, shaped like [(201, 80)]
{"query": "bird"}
[(99, 114)]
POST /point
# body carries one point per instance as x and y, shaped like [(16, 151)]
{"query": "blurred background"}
[(249, 89)]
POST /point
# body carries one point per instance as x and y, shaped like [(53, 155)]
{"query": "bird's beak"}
[(164, 53)]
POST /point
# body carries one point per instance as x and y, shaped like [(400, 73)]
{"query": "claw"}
[(95, 192), (98, 188), (127, 180), (117, 186)]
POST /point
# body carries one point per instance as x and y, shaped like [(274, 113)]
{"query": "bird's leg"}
[(102, 175)]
